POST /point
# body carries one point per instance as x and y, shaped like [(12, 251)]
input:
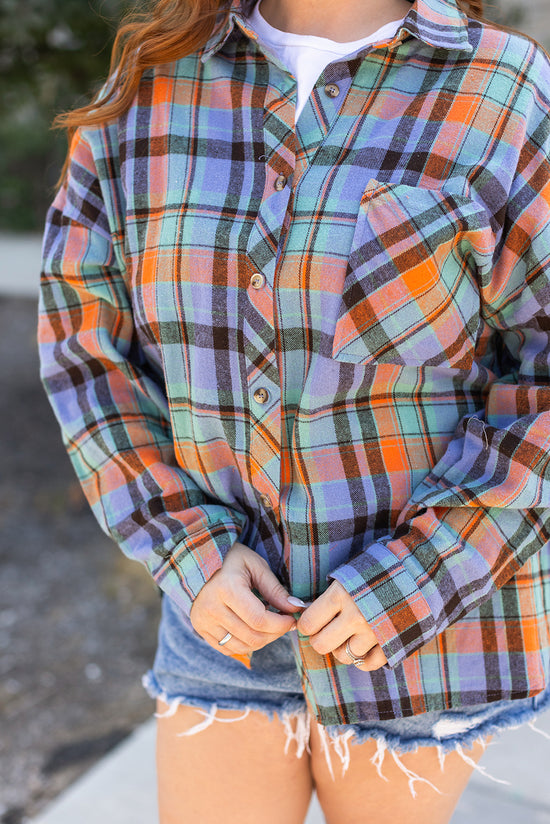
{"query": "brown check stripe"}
[(375, 407)]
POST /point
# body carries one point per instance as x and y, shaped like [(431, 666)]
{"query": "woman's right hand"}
[(227, 604)]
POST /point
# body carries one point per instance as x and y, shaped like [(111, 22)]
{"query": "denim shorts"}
[(189, 671)]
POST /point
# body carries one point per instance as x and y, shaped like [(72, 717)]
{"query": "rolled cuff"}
[(193, 561)]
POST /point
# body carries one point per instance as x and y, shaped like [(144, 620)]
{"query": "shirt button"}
[(280, 183), (265, 500), (332, 90), (261, 395), (257, 281)]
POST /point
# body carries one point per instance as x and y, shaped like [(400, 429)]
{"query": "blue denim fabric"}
[(187, 670)]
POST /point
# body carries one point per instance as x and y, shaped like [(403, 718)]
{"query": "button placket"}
[(265, 438), (258, 323)]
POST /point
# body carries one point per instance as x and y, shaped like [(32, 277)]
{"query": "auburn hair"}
[(167, 31)]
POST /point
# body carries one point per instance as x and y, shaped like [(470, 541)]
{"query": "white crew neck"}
[(287, 38), (307, 55)]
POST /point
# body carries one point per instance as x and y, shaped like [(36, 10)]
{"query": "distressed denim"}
[(189, 671)]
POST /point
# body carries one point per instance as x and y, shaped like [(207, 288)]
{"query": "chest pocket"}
[(410, 294)]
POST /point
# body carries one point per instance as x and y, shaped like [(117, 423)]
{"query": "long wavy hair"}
[(167, 31)]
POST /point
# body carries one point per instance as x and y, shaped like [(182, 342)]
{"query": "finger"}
[(269, 586), (320, 613), (332, 636), (373, 660), (359, 645), (237, 627), (254, 614), (231, 594), (233, 646)]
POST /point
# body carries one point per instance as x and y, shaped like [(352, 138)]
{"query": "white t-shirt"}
[(306, 56)]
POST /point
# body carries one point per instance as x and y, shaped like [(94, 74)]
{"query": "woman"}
[(294, 324)]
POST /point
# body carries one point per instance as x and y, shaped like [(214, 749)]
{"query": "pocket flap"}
[(410, 294)]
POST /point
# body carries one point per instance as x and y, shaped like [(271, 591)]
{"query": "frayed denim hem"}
[(451, 732), (455, 728), (153, 688)]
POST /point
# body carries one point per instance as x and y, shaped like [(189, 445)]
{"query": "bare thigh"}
[(360, 796), (235, 773)]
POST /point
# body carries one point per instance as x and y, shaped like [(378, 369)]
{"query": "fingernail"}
[(295, 602)]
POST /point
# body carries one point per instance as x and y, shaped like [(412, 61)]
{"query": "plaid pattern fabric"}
[(328, 341)]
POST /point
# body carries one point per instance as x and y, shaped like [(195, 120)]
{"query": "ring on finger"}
[(356, 660), (227, 637)]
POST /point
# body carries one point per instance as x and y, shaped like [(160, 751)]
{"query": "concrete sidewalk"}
[(20, 264), (120, 789)]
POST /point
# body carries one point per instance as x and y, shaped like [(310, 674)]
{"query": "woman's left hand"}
[(333, 619)]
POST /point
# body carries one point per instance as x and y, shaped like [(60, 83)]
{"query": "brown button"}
[(266, 501), (280, 183), (332, 90), (257, 281), (261, 395)]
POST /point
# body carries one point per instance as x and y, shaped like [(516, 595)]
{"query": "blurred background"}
[(52, 54), (77, 620)]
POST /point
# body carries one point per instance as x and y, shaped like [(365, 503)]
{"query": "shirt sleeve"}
[(109, 396), (484, 509)]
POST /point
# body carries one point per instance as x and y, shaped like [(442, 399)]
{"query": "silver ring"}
[(355, 660), (227, 637)]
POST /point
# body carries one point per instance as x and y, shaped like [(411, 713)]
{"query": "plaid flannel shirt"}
[(327, 340)]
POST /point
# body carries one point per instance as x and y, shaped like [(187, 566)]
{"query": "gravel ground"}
[(77, 619)]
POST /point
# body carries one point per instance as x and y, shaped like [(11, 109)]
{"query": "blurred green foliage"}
[(53, 55)]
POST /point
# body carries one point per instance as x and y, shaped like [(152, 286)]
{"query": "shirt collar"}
[(440, 23), (222, 34)]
